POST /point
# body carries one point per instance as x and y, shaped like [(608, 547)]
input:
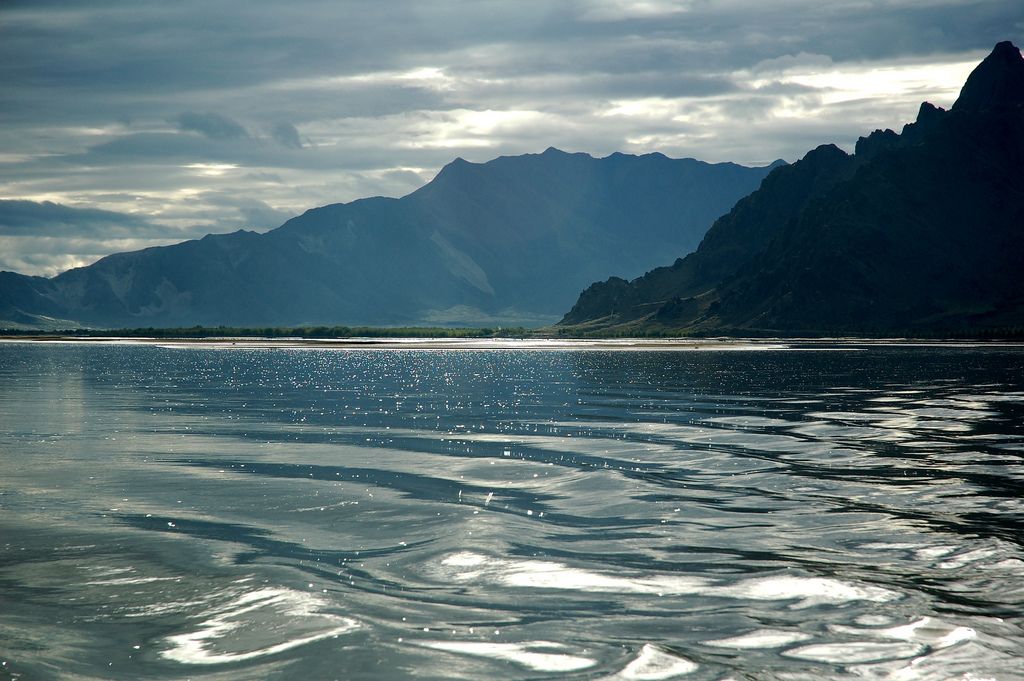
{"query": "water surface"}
[(841, 512)]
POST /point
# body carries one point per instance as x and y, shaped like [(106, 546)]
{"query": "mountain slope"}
[(510, 241), (921, 231)]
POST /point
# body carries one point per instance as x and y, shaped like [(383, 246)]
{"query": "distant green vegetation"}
[(281, 332), (570, 332)]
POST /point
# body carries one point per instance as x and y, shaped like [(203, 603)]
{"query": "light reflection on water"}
[(267, 513)]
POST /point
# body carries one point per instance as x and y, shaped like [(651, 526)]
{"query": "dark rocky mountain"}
[(918, 232), (511, 241)]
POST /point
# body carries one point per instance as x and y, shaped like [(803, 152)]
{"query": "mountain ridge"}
[(916, 231), (509, 241)]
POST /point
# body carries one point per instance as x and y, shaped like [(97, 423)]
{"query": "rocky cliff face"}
[(917, 231)]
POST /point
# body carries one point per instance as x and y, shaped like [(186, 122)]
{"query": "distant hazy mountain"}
[(916, 232), (511, 241)]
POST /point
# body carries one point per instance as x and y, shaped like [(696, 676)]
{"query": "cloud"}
[(151, 146), (286, 135), (620, 10), (165, 111), (49, 256), (211, 125), (30, 218), (250, 213), (46, 238), (260, 216)]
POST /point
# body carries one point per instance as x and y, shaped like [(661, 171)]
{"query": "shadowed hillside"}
[(506, 242), (917, 231)]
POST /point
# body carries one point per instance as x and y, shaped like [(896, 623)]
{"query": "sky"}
[(130, 124)]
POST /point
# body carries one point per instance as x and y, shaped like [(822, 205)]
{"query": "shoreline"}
[(555, 344)]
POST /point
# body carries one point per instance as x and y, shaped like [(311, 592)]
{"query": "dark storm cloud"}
[(197, 115)]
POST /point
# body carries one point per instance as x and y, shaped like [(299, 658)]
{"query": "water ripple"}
[(846, 514)]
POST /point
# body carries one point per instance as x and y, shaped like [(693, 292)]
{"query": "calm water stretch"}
[(816, 512)]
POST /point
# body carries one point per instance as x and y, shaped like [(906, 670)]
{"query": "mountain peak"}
[(996, 83), (457, 167)]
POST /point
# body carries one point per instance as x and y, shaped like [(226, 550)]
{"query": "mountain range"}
[(916, 232), (507, 242)]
